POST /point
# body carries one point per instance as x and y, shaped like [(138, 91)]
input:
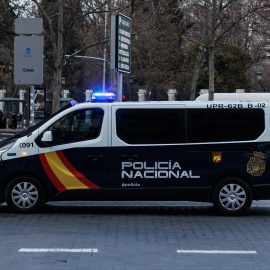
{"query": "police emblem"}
[(256, 164), (216, 157)]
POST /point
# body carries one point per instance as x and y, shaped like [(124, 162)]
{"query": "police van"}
[(187, 151)]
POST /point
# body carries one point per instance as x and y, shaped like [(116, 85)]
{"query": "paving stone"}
[(135, 235)]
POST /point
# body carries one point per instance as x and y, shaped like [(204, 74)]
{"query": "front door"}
[(78, 160)]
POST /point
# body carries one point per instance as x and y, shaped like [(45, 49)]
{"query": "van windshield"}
[(29, 130)]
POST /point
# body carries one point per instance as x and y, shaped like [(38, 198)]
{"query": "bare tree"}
[(67, 14), (219, 19)]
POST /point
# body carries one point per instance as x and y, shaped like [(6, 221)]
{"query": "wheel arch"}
[(228, 175), (232, 195), (21, 174)]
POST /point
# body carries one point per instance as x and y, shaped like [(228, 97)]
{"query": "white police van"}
[(197, 151)]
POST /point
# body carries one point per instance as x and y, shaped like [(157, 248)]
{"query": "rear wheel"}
[(232, 196), (24, 194)]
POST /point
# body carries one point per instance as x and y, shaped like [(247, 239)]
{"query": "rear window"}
[(222, 125), (151, 126)]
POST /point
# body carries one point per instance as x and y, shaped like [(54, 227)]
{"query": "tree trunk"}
[(200, 58), (211, 73), (212, 52), (196, 73), (57, 74)]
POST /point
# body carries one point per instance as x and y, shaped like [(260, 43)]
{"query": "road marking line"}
[(80, 250), (217, 251)]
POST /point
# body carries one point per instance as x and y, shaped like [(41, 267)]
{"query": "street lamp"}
[(259, 79), (63, 81), (130, 81)]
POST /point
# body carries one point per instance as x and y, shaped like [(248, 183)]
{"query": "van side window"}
[(77, 126), (151, 126), (220, 125)]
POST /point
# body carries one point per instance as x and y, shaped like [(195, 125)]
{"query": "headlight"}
[(5, 147)]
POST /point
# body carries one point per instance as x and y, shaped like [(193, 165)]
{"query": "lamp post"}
[(130, 81), (63, 81), (259, 79)]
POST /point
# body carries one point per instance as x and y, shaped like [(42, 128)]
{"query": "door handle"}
[(129, 157), (95, 157)]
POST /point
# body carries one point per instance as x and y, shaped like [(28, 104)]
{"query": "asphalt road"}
[(134, 235)]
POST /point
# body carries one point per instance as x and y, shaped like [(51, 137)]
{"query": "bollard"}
[(65, 93), (2, 95), (141, 94), (172, 94), (88, 93)]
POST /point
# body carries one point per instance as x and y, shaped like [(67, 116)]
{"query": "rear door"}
[(221, 138)]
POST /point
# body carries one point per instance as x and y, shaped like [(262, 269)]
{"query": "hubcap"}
[(232, 197), (24, 195)]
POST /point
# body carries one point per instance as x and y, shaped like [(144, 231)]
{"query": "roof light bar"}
[(103, 97)]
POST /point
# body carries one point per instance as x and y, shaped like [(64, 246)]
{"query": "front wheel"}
[(232, 196), (24, 194)]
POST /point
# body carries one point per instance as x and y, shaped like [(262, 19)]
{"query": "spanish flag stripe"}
[(50, 173), (63, 173), (75, 172)]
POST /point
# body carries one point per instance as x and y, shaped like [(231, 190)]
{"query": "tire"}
[(24, 194), (232, 196)]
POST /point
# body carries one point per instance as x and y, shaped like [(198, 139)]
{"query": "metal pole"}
[(32, 90), (104, 63), (119, 86)]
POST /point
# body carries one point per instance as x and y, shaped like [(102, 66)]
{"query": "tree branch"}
[(237, 21), (52, 37)]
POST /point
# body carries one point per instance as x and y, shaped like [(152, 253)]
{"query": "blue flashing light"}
[(103, 97), (73, 102)]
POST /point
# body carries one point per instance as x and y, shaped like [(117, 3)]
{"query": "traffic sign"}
[(123, 43), (28, 60), (24, 26)]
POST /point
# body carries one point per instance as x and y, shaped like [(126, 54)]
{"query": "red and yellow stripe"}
[(62, 173)]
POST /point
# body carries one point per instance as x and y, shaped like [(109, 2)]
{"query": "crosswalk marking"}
[(78, 250), (194, 251)]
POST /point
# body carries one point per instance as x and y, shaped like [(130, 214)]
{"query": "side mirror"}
[(47, 138)]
